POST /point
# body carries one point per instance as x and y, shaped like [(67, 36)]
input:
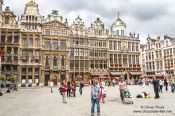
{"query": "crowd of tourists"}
[(68, 89), (98, 89)]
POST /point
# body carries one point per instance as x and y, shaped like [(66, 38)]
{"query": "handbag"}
[(104, 94)]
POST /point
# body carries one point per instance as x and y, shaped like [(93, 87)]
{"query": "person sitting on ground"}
[(9, 90), (143, 95), (0, 92)]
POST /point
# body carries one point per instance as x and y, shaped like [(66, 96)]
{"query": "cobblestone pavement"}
[(40, 102)]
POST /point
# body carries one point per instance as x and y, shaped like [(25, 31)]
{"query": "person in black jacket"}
[(166, 84), (156, 87), (81, 87)]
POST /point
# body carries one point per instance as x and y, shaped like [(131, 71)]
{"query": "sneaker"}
[(92, 114)]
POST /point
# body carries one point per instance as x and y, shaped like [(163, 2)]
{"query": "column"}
[(131, 46), (122, 59), (117, 44), (12, 54), (41, 77), (135, 59), (113, 61), (19, 75), (112, 45), (33, 74), (27, 75), (131, 60), (127, 60)]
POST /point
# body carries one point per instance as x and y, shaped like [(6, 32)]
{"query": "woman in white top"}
[(161, 83), (102, 91)]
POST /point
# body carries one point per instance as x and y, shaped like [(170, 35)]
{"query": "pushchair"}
[(125, 96)]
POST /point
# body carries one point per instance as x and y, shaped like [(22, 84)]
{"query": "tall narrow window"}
[(37, 42), (122, 32), (47, 60), (55, 63), (7, 20), (117, 32), (62, 61)]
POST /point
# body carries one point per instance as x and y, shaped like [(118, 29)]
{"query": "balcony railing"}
[(47, 67)]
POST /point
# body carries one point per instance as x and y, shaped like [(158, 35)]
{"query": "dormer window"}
[(122, 32), (117, 32), (166, 43), (7, 20)]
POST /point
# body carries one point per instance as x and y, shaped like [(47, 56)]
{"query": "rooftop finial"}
[(118, 15)]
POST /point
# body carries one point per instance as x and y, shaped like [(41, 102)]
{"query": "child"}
[(127, 93)]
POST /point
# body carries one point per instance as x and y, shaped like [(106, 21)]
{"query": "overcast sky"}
[(156, 17)]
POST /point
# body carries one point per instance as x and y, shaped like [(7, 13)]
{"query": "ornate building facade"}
[(160, 56), (10, 36), (55, 50), (31, 45), (98, 43), (49, 49), (1, 3), (79, 50), (124, 51)]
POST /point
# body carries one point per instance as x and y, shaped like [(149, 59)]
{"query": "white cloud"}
[(155, 17)]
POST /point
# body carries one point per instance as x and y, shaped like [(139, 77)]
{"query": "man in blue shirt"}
[(95, 98)]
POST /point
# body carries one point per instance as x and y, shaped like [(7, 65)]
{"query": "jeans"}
[(81, 90), (172, 87), (156, 92), (74, 93), (51, 89), (93, 102), (166, 87), (121, 95), (64, 97), (68, 93), (161, 87)]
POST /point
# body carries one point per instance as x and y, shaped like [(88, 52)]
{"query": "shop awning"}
[(99, 73), (0, 83), (117, 74), (136, 73)]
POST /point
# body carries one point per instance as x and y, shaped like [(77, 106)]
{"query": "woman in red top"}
[(64, 90)]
